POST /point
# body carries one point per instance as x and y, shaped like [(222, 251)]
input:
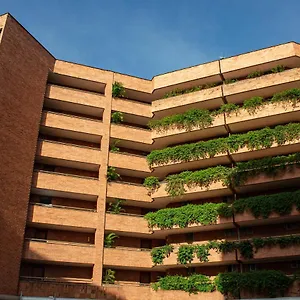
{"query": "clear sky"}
[(148, 37)]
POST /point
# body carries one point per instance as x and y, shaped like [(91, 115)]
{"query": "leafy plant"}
[(229, 81), (109, 240), (112, 174), (227, 109), (151, 183), (204, 214), (264, 205), (114, 148), (185, 254), (267, 282), (278, 69), (253, 140), (255, 74), (158, 254), (118, 90), (116, 206), (292, 95), (193, 118), (117, 117), (192, 284), (252, 104), (109, 276)]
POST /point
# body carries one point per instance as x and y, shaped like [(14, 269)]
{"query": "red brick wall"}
[(24, 66)]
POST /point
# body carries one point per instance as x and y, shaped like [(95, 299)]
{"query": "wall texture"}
[(24, 66)]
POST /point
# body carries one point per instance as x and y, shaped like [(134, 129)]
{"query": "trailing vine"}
[(264, 205), (176, 184), (151, 183), (203, 118), (158, 254), (204, 214), (118, 90), (185, 254), (253, 140), (192, 284), (200, 118), (267, 282)]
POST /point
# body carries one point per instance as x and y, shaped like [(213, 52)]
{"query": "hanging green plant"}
[(112, 174), (278, 69), (252, 104), (151, 183), (117, 117), (267, 282), (118, 90), (158, 254), (185, 254)]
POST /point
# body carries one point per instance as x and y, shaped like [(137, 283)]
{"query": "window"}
[(230, 233), (191, 271), (252, 267), (247, 231), (145, 277), (233, 268), (295, 264), (292, 226), (146, 244)]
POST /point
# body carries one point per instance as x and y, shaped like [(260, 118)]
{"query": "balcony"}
[(263, 60), (217, 189), (62, 185), (71, 127), (127, 225), (74, 100), (80, 76), (135, 194), (127, 258), (247, 219), (274, 252), (264, 86), (129, 164), (62, 217), (287, 178), (68, 155), (175, 136), (133, 112), (269, 115), (186, 78), (131, 137), (58, 252), (206, 99)]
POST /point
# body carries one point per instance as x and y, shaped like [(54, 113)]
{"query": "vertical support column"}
[(101, 201)]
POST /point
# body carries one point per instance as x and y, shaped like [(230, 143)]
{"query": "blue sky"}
[(148, 37)]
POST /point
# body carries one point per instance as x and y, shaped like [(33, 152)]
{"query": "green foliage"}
[(204, 214), (252, 104), (227, 109), (114, 148), (292, 95), (112, 174), (267, 282), (116, 206), (175, 184), (203, 178), (117, 117), (192, 284), (118, 90), (158, 254), (178, 92), (229, 81), (200, 118), (151, 183), (109, 276), (267, 165), (278, 69), (282, 242), (185, 254), (253, 140), (255, 74), (264, 205), (109, 240)]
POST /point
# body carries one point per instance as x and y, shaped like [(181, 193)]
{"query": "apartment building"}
[(97, 203)]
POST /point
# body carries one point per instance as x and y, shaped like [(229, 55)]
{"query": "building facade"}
[(95, 198)]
